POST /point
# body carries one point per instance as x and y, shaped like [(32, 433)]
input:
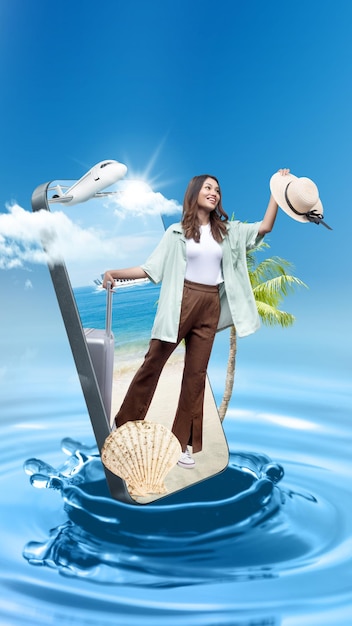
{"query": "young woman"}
[(201, 263)]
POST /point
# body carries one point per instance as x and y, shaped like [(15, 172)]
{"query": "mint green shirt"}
[(167, 264)]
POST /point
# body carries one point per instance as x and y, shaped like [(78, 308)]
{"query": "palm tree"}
[(270, 283)]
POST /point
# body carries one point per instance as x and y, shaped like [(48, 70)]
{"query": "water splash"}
[(110, 541)]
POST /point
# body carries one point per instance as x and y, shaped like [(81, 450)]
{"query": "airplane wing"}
[(56, 198), (61, 199), (102, 194)]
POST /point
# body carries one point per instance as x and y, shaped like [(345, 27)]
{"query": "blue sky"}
[(176, 89)]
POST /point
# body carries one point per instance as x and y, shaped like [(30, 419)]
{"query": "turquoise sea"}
[(133, 311)]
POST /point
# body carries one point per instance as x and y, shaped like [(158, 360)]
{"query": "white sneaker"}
[(186, 460)]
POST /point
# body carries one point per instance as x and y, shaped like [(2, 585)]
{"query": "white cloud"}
[(52, 237), (28, 284), (19, 238), (23, 234), (138, 199)]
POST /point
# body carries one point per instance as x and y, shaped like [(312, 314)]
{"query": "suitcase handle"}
[(108, 309)]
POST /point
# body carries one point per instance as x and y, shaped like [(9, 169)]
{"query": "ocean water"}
[(266, 543), (133, 311)]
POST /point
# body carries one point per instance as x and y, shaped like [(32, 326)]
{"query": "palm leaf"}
[(269, 268), (251, 255), (275, 289), (271, 316)]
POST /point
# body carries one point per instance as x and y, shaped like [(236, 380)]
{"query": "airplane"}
[(91, 184), (120, 282)]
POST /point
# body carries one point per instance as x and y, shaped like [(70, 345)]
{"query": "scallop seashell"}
[(142, 453)]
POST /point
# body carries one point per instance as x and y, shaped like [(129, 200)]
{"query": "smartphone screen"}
[(120, 229)]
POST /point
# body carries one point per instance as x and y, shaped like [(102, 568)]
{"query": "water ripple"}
[(240, 547)]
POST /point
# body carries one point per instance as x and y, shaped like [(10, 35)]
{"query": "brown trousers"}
[(200, 312)]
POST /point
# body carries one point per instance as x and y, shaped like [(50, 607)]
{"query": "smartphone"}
[(109, 331)]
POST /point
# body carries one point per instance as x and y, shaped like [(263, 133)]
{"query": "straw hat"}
[(298, 197)]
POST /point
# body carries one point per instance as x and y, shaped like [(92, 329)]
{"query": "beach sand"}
[(214, 456)]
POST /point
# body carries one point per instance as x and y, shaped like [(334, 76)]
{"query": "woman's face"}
[(209, 195)]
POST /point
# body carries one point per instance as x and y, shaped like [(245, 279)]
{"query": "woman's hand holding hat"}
[(298, 197)]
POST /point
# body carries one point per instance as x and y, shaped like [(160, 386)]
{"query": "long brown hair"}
[(190, 221)]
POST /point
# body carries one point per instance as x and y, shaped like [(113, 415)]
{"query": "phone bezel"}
[(80, 352)]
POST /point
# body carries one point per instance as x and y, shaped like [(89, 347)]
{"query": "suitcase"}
[(101, 346)]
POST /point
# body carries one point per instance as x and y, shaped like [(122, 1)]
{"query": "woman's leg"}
[(142, 388), (198, 322), (203, 315)]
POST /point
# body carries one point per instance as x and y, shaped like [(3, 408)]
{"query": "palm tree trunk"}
[(230, 374)]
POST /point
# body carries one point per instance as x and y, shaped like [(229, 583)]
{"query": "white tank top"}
[(204, 259)]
